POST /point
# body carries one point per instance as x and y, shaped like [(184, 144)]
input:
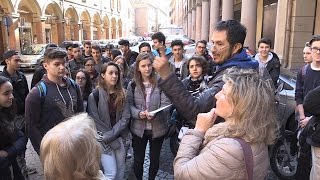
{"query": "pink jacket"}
[(213, 156)]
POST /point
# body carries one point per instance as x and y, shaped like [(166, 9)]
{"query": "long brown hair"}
[(137, 74), (119, 91)]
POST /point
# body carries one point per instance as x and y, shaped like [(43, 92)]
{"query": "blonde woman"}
[(70, 151), (108, 106), (208, 151)]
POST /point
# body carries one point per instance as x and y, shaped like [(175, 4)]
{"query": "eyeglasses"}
[(201, 47), (315, 49), (80, 78)]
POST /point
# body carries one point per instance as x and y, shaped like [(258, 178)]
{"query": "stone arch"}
[(120, 28), (113, 28), (106, 27), (71, 27), (96, 26), (53, 23), (30, 26), (6, 7), (85, 21)]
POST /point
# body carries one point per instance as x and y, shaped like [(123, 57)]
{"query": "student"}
[(268, 60), (108, 106), (96, 54), (77, 62), (107, 54), (144, 96), (124, 70), (115, 53), (12, 141), (85, 84), (93, 73), (87, 49), (20, 92), (178, 60), (53, 100), (129, 56), (159, 42)]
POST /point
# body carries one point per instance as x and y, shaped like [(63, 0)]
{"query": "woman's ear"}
[(102, 75)]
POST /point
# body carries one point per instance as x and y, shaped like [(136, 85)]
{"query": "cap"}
[(109, 46), (9, 54)]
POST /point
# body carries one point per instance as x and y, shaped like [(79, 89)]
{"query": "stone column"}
[(193, 34), (227, 9), (60, 32), (14, 36), (205, 20), (198, 21), (76, 30), (214, 15), (249, 19), (189, 24)]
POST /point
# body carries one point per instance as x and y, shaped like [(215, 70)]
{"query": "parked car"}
[(32, 56), (183, 38)]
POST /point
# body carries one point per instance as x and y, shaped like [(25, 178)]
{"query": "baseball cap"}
[(9, 54)]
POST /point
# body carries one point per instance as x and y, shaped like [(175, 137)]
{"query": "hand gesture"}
[(205, 121), (161, 65), (149, 116)]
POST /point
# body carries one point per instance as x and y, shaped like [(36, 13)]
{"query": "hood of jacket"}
[(240, 60)]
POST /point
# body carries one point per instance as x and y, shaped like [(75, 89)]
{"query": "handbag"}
[(248, 157)]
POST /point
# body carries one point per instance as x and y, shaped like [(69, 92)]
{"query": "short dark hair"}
[(159, 36), (97, 47), (53, 53), (124, 42), (203, 63), (87, 43), (109, 46), (202, 42), (236, 32), (75, 46), (115, 53), (68, 45), (265, 41), (177, 42), (144, 44), (314, 38)]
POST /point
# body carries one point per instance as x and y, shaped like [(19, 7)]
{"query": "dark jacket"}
[(20, 89), (37, 75), (190, 106), (13, 142), (131, 57), (311, 105), (74, 65), (44, 112), (273, 67)]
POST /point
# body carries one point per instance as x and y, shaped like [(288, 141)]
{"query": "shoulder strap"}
[(248, 157), (73, 82), (96, 96), (42, 88)]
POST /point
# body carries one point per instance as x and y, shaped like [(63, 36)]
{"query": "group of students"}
[(236, 91)]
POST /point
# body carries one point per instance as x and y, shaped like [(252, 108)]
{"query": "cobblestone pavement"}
[(165, 170)]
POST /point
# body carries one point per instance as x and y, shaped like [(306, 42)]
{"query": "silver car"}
[(32, 56)]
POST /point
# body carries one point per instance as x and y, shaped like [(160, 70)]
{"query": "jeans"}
[(114, 163), (139, 148)]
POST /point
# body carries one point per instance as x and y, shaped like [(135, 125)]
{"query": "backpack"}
[(42, 88), (96, 92)]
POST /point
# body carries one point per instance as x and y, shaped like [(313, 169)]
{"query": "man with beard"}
[(227, 49), (129, 56)]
